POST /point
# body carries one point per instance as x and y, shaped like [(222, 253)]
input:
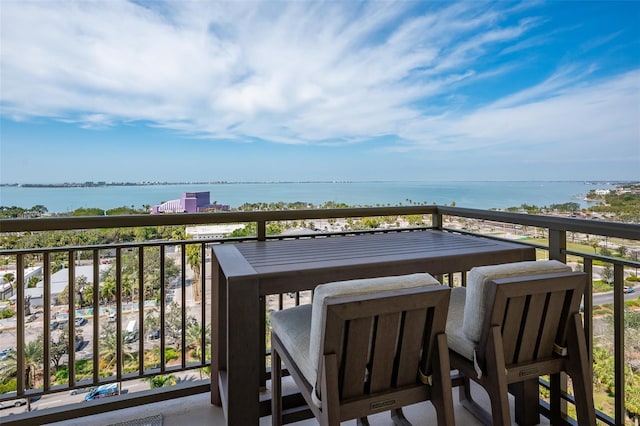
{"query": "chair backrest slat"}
[(383, 352), (549, 327), (357, 341), (535, 308), (411, 342), (511, 326)]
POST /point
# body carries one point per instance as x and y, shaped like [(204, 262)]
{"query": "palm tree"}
[(194, 261), (161, 381), (108, 349), (33, 358)]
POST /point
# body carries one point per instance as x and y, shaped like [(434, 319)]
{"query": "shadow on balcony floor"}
[(197, 410)]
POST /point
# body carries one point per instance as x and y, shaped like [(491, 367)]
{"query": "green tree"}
[(161, 381), (129, 275), (607, 274), (194, 260), (108, 349), (173, 323)]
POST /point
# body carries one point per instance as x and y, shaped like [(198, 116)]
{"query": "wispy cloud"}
[(300, 72)]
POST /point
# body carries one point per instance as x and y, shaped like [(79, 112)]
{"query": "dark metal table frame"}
[(244, 273)]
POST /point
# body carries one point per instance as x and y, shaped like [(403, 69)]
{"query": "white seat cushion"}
[(478, 286), (456, 338), (292, 327)]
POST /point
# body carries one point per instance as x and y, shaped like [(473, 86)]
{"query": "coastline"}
[(470, 194)]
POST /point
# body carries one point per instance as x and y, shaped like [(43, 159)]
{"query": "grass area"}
[(600, 286), (584, 248)]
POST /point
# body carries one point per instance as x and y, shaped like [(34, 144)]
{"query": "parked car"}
[(76, 391), (6, 353), (54, 325), (13, 403), (628, 289), (154, 335), (131, 337), (79, 342), (80, 322), (102, 391)]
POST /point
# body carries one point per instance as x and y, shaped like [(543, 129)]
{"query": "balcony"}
[(153, 297)]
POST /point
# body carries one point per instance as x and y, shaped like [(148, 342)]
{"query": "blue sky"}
[(257, 90)]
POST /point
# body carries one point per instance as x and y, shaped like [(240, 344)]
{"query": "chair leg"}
[(276, 389), (398, 418), (496, 379), (441, 397), (362, 421), (469, 404), (580, 372), (527, 400)]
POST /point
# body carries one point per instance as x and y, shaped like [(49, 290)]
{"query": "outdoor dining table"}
[(244, 273)]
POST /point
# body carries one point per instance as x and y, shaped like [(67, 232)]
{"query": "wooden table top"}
[(385, 253)]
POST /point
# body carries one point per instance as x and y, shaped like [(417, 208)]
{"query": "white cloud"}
[(553, 119), (298, 72)]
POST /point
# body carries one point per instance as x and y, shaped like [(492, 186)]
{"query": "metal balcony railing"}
[(142, 309)]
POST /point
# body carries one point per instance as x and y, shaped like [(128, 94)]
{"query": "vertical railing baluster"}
[(162, 311), (119, 338), (46, 327), (141, 326), (618, 339), (183, 302), (203, 303), (71, 326), (20, 342), (96, 316)]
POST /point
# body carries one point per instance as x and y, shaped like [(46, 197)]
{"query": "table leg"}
[(218, 329), (243, 352)]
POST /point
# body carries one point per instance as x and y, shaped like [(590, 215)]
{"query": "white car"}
[(13, 403)]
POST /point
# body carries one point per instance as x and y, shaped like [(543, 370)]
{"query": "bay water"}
[(478, 194)]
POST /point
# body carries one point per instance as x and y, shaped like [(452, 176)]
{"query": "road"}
[(65, 398), (607, 298)]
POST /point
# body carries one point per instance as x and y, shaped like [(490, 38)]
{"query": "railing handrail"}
[(629, 231), (588, 226), (128, 221)]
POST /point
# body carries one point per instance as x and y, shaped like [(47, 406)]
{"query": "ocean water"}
[(482, 195)]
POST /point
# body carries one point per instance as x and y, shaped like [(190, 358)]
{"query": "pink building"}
[(191, 202)]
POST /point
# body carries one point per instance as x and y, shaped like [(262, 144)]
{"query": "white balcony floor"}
[(197, 410)]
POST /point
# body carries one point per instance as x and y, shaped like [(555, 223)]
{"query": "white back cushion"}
[(478, 286), (353, 288)]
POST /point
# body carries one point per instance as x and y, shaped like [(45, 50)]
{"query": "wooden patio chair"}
[(512, 324), (364, 347)]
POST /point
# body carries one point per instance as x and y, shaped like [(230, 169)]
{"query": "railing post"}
[(558, 382), (558, 245), (436, 220), (262, 230), (588, 309)]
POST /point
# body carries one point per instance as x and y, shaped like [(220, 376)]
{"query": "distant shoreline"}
[(224, 182)]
